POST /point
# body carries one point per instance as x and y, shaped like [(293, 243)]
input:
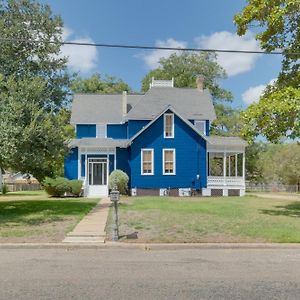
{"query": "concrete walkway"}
[(91, 229)]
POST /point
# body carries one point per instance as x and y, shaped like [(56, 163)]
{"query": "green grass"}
[(227, 219), (35, 217)]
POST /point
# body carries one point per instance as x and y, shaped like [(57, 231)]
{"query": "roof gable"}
[(159, 115)]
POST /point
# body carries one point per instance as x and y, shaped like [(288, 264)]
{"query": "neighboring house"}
[(11, 177), (160, 139)]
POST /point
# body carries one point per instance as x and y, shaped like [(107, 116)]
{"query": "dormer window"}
[(168, 126), (201, 126)]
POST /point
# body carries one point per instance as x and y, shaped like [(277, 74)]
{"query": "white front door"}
[(97, 177)]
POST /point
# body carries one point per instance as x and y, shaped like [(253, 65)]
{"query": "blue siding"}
[(85, 130), (111, 161), (190, 157), (117, 131), (123, 157), (71, 164), (134, 126)]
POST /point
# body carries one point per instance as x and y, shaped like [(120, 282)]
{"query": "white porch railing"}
[(225, 181)]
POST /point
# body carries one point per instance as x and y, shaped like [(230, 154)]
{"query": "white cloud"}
[(152, 59), (233, 63), (255, 92), (80, 58)]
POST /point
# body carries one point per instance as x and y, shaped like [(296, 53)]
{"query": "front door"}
[(97, 176)]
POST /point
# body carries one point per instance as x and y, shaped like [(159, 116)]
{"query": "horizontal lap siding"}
[(134, 126), (85, 131), (190, 157), (71, 164), (117, 131)]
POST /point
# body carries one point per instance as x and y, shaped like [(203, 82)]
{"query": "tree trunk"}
[(0, 179)]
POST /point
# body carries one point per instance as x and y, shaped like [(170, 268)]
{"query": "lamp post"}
[(114, 198)]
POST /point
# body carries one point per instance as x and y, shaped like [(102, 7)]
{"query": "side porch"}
[(225, 167)]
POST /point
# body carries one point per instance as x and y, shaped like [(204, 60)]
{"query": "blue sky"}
[(190, 23)]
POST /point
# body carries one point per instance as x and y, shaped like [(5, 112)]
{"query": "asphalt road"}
[(155, 274)]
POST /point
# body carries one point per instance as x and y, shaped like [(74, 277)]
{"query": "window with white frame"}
[(147, 164), (169, 162), (201, 126), (101, 131), (168, 125)]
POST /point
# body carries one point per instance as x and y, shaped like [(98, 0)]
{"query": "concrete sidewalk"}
[(91, 229)]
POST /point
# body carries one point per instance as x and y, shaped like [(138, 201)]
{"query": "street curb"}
[(146, 247)]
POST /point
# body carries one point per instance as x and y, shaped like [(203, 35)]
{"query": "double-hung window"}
[(147, 163), (168, 125), (169, 162)]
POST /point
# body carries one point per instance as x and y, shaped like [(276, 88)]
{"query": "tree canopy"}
[(33, 89), (95, 84), (277, 112)]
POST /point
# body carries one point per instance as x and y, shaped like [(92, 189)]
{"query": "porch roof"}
[(226, 144), (98, 142)]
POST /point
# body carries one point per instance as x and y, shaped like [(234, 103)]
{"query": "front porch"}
[(96, 160), (226, 167)]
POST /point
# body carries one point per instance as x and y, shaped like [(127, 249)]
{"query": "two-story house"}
[(161, 139)]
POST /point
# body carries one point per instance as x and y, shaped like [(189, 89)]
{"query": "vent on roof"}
[(162, 83)]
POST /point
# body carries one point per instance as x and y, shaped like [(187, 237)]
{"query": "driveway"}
[(154, 274)]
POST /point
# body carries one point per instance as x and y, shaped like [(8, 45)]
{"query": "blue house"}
[(161, 139)]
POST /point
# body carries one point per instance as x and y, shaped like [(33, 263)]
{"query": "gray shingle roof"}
[(98, 142), (226, 140), (100, 108), (190, 103)]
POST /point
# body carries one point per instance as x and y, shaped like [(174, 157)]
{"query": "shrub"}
[(119, 179), (56, 187), (4, 189), (76, 186)]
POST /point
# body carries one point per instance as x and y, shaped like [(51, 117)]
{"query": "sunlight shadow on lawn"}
[(290, 210)]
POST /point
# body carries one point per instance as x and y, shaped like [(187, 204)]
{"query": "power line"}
[(124, 46)]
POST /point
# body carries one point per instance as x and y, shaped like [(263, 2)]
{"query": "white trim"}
[(165, 116), (115, 160), (152, 159), (79, 164), (174, 161), (107, 169)]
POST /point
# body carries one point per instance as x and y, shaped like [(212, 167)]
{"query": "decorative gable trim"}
[(169, 107)]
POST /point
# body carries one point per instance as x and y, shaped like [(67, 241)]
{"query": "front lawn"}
[(34, 217), (227, 219)]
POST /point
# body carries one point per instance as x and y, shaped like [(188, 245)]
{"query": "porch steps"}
[(91, 229)]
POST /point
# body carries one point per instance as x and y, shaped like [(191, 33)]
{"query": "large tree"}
[(98, 85), (33, 89), (184, 68), (278, 24)]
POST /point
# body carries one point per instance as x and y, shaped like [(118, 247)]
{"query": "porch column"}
[(229, 165), (236, 165), (244, 165), (224, 167), (86, 166)]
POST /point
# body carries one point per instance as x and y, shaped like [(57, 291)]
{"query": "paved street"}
[(155, 274)]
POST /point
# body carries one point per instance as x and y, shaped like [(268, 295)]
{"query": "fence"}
[(17, 187), (271, 187)]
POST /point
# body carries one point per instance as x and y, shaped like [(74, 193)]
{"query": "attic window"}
[(168, 125), (201, 126)]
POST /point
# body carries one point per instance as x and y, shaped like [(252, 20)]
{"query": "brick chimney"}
[(200, 83), (124, 103)]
